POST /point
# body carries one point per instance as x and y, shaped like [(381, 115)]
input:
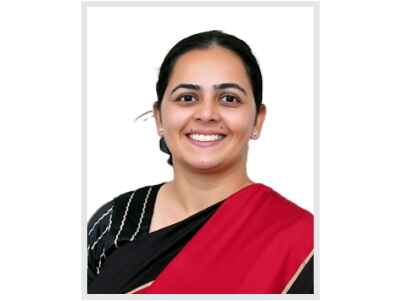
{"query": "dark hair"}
[(205, 40)]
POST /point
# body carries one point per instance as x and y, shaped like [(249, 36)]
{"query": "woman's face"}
[(208, 110)]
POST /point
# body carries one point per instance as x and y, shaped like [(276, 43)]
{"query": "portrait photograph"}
[(200, 150), (200, 156)]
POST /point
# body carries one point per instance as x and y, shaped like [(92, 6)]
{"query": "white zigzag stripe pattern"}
[(99, 219), (142, 214), (124, 217), (100, 261), (104, 232)]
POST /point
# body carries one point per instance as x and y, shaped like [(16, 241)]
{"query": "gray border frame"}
[(316, 145)]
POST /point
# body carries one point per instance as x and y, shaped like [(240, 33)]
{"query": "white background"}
[(124, 56), (40, 150)]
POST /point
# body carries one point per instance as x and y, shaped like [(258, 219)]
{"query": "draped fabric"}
[(254, 241)]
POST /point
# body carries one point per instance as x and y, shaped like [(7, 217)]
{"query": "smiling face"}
[(208, 110)]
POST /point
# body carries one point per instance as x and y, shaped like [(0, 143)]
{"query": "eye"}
[(186, 98), (231, 99)]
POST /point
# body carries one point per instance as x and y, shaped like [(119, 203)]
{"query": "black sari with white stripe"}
[(126, 220)]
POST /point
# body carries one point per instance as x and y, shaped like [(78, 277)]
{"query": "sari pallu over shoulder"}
[(255, 243)]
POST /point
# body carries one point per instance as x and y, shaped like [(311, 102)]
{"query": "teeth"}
[(200, 137)]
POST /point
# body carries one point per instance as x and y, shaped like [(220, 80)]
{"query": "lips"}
[(205, 140)]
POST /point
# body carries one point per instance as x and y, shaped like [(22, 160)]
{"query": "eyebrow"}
[(216, 87)]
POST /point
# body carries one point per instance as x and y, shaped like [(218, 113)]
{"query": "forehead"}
[(209, 66)]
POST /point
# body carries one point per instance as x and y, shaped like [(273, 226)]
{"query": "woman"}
[(211, 229)]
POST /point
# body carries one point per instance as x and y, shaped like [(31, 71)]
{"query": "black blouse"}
[(120, 229)]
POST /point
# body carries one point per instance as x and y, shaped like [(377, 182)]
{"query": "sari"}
[(253, 242)]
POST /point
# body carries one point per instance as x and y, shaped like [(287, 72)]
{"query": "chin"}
[(205, 165)]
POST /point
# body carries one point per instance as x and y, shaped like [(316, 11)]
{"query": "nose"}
[(207, 110)]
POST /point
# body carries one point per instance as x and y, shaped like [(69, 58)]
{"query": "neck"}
[(194, 191)]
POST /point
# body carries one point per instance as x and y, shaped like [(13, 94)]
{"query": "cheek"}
[(175, 119), (240, 124)]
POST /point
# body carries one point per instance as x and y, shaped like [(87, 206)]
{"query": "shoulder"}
[(297, 225), (102, 217), (286, 209), (115, 223), (99, 219), (294, 223), (121, 200), (118, 215)]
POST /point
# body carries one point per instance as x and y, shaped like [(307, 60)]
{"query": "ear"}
[(157, 115), (260, 119)]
